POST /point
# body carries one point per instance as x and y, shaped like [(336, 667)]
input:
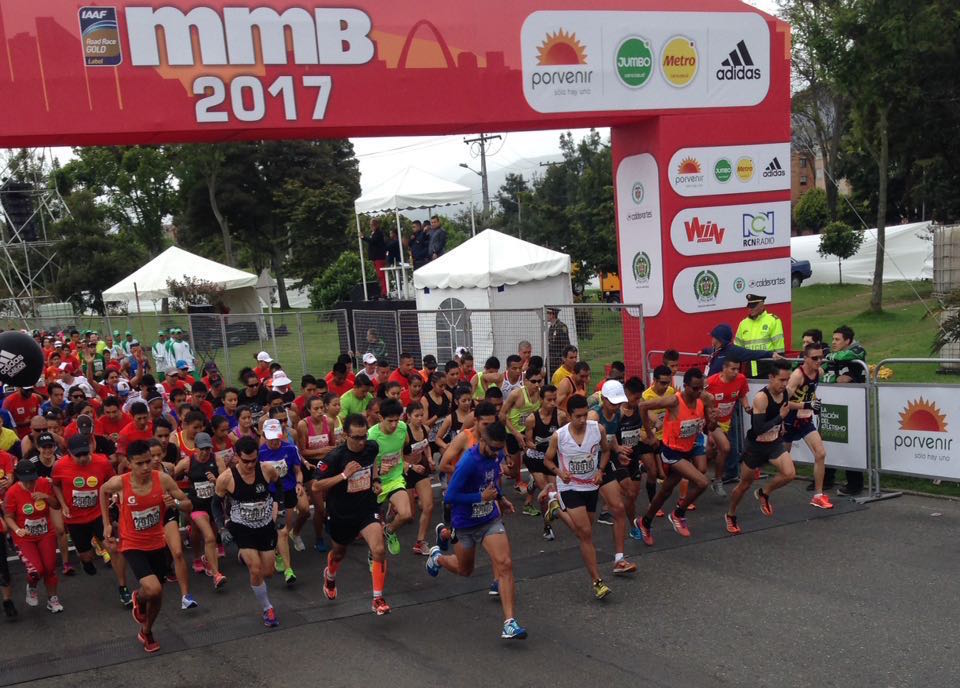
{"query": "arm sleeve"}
[(760, 424), (456, 493), (740, 354)]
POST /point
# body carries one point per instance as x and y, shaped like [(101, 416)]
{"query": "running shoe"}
[(443, 536), (89, 568), (289, 576), (218, 581), (635, 533), (661, 513), (393, 542), (757, 474), (279, 565), (821, 501), (731, 523), (692, 507), (718, 489), (135, 610), (270, 618), (600, 589), (679, 524), (329, 585), (380, 606), (433, 566), (605, 518), (624, 567), (171, 577), (850, 492), (126, 599), (53, 605), (297, 542), (68, 569), (421, 547), (221, 552), (645, 533), (198, 565), (765, 506), (530, 510), (9, 611), (494, 590), (520, 486), (553, 508), (187, 602), (207, 569), (321, 546), (513, 631), (100, 551), (548, 534), (32, 599), (149, 644)]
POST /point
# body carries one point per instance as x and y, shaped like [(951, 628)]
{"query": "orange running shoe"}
[(679, 524), (731, 522), (765, 506), (821, 501)]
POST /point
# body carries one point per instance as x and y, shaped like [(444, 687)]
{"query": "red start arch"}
[(697, 93)]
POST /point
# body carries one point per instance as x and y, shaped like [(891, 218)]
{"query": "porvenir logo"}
[(641, 268), (922, 426), (706, 286), (745, 168), (774, 169), (723, 170), (689, 172), (634, 61), (679, 61), (738, 66), (636, 193), (561, 49)]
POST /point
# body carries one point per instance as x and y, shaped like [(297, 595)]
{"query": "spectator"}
[(438, 238), (722, 349), (558, 339), (841, 367), (759, 331), (377, 252), (419, 245)]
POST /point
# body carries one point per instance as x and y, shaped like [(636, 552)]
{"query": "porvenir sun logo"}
[(561, 48), (689, 166), (924, 416)]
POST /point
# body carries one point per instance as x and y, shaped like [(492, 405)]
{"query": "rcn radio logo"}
[(738, 65)]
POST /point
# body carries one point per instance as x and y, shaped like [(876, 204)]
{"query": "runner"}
[(245, 426), (802, 390), (351, 493), (144, 495), (687, 414), (315, 440), (540, 426), (573, 385), (477, 504), (391, 436), (164, 457), (251, 523), (287, 492), (7, 466), (516, 408), (661, 386), (201, 471), (419, 473), (490, 377), (231, 399), (222, 444), (436, 405), (728, 388), (578, 455), (765, 444), (513, 377), (460, 417), (27, 508)]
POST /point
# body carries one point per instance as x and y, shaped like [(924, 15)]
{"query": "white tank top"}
[(581, 460), (506, 387)]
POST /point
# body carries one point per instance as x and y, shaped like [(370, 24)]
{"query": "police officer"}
[(759, 331), (558, 339)]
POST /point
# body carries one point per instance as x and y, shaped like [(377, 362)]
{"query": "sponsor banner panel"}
[(918, 430), (730, 228), (724, 286), (842, 425), (581, 61), (718, 170), (638, 225)]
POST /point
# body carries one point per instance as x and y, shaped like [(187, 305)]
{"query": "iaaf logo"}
[(738, 66), (327, 35), (703, 233)]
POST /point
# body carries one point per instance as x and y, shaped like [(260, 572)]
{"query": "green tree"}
[(811, 213), (512, 196), (841, 240), (201, 166), (337, 279)]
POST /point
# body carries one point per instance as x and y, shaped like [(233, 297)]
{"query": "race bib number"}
[(770, 435), (35, 527), (84, 499), (225, 455), (690, 427), (360, 481), (419, 448), (535, 454), (337, 435), (203, 490), (253, 512), (146, 519), (481, 509), (318, 441), (582, 465), (281, 468), (630, 438), (389, 462), (805, 414), (725, 408)]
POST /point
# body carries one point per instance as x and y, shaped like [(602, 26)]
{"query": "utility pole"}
[(482, 140)]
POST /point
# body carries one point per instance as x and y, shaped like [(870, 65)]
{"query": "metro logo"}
[(327, 36), (703, 233)]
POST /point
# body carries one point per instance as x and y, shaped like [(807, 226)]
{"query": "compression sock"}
[(379, 575), (260, 591)]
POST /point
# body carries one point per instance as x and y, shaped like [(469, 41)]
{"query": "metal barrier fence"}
[(602, 333)]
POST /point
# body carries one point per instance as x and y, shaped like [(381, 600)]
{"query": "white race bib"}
[(388, 462), (360, 481), (481, 509), (690, 427), (203, 490), (280, 467), (35, 527), (84, 499), (146, 519)]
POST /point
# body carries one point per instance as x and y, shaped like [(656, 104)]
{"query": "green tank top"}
[(519, 413), (481, 392)]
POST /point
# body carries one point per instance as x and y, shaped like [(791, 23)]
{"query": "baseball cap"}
[(116, 333), (280, 379), (128, 333), (161, 333), (202, 441), (58, 344), (26, 470), (64, 365), (46, 439), (272, 429), (612, 391), (369, 359), (134, 342), (182, 365), (172, 370), (210, 367), (123, 387), (79, 445), (84, 424), (555, 311), (264, 357)]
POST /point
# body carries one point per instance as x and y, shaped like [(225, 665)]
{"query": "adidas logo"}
[(10, 364), (774, 169), (738, 66)]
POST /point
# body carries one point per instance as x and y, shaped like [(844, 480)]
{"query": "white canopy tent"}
[(409, 189), (461, 295)]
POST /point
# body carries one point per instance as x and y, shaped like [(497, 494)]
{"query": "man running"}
[(765, 444), (636, 450), (477, 504), (728, 388), (804, 405), (346, 478), (521, 403), (390, 434), (540, 427), (144, 496)]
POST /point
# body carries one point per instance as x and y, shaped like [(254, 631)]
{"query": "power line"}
[(481, 142)]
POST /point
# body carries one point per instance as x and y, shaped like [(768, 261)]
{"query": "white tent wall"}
[(431, 320), (535, 294), (909, 256)]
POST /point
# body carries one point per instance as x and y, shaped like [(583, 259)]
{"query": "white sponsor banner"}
[(730, 228), (716, 170), (581, 61), (723, 286), (638, 227), (842, 424), (918, 430)]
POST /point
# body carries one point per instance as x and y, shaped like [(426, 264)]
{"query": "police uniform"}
[(763, 333)]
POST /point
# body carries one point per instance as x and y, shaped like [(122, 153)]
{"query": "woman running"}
[(245, 426), (201, 471), (420, 473), (315, 439)]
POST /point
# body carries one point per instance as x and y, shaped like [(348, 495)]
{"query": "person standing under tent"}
[(377, 253)]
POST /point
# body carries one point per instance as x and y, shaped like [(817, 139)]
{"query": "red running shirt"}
[(141, 516), (727, 394), (81, 486)]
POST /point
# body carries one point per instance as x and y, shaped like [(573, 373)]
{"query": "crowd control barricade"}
[(602, 333), (917, 424), (688, 360)]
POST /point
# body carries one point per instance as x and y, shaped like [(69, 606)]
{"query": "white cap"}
[(123, 387), (272, 429), (64, 365), (369, 359), (280, 379), (264, 357), (612, 391)]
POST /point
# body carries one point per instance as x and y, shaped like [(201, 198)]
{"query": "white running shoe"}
[(297, 542), (53, 605), (33, 599)]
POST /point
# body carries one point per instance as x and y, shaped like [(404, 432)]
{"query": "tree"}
[(810, 213), (205, 161), (512, 196), (336, 281), (841, 240), (195, 291)]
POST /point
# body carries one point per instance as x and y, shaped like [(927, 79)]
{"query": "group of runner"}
[(136, 471)]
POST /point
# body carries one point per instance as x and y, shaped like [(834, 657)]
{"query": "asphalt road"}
[(855, 597)]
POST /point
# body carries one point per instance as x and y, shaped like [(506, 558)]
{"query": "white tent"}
[(409, 189), (909, 256), (149, 283), (492, 271)]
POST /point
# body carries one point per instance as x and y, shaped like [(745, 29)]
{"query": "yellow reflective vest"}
[(761, 334)]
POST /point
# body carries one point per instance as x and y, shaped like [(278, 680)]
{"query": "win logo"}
[(738, 66), (774, 169), (703, 232)]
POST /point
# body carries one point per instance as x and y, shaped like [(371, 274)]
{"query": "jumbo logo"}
[(918, 421)]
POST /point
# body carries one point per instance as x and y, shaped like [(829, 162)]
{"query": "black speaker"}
[(17, 201), (373, 291)]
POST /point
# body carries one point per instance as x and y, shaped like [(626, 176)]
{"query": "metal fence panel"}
[(602, 333), (377, 332)]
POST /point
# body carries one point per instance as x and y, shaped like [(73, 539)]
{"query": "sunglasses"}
[(535, 380), (816, 358), (358, 438)]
